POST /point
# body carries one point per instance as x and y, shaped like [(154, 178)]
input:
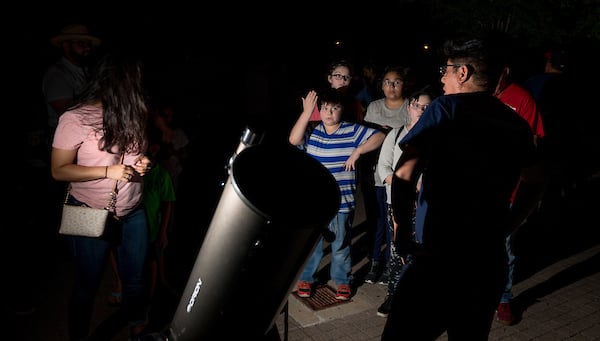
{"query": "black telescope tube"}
[(274, 205)]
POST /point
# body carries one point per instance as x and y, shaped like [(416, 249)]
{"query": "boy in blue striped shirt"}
[(337, 145)]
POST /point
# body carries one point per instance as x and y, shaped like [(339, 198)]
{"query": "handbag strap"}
[(112, 200)]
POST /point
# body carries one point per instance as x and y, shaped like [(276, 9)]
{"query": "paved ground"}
[(560, 302), (557, 290)]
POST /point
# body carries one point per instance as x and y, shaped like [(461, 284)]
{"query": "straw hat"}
[(74, 32)]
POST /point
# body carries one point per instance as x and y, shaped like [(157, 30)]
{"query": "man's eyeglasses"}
[(340, 77), (444, 68), (419, 106), (389, 83)]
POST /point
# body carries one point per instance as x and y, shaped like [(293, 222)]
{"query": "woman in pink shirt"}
[(107, 120)]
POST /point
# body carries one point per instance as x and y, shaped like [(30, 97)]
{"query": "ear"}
[(464, 72)]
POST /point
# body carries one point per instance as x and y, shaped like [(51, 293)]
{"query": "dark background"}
[(230, 65), (252, 61)]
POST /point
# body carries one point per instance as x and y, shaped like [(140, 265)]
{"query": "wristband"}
[(106, 172)]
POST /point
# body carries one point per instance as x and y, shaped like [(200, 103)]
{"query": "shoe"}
[(384, 308), (114, 299), (504, 314), (385, 277), (343, 292), (137, 333), (304, 289), (374, 273)]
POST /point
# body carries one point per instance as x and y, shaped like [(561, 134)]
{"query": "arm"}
[(309, 102), (385, 161), (372, 143), (162, 240), (64, 168), (529, 192)]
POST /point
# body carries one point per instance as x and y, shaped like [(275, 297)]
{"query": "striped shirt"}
[(332, 151)]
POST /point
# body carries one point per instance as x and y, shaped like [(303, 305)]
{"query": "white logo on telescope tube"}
[(194, 294)]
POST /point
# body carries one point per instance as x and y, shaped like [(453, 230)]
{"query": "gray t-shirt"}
[(381, 115)]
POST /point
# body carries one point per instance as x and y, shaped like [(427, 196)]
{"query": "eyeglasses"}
[(340, 77), (419, 106), (395, 83), (444, 68)]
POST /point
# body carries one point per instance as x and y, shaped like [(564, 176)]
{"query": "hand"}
[(142, 165), (350, 163), (309, 102), (120, 172)]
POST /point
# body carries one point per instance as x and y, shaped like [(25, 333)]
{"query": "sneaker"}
[(504, 314), (374, 273), (384, 308), (343, 292), (304, 289), (385, 277)]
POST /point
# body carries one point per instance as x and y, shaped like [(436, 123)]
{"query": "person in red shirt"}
[(520, 100)]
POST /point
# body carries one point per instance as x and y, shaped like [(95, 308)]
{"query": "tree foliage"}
[(538, 22)]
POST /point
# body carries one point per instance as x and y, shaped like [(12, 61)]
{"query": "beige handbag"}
[(82, 220)]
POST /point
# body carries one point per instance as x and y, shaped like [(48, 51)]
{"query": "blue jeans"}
[(381, 236), (341, 263), (90, 257), (507, 294)]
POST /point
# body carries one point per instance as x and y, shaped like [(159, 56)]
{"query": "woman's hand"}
[(142, 165), (120, 172)]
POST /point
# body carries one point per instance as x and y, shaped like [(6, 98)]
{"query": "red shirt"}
[(521, 101)]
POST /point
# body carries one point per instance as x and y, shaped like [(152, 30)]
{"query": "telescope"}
[(275, 204)]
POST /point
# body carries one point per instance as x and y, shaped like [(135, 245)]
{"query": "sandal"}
[(114, 299)]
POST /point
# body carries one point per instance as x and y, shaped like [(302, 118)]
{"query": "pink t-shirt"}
[(75, 132)]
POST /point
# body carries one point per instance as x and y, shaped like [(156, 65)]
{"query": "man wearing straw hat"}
[(66, 77)]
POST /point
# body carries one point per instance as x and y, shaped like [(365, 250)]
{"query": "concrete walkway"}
[(557, 284)]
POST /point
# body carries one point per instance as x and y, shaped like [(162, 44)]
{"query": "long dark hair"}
[(116, 82)]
